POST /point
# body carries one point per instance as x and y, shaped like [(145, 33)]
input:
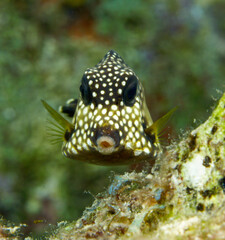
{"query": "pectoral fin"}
[(156, 128), (61, 128)]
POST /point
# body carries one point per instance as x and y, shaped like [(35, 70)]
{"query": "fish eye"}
[(130, 91), (85, 91)]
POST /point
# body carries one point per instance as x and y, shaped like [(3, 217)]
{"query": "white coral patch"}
[(195, 173)]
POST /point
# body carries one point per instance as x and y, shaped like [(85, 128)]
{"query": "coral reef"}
[(11, 231), (182, 197)]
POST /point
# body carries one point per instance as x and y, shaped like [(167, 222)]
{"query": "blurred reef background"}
[(175, 47)]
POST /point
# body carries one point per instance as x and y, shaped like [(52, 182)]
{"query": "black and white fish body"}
[(111, 124)]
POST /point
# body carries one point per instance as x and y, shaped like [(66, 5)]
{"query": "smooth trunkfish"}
[(111, 124)]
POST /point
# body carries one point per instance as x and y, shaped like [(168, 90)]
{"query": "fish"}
[(111, 123)]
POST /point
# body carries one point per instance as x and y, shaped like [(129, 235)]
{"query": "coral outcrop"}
[(182, 198)]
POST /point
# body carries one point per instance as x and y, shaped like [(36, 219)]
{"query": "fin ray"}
[(58, 125), (158, 126), (57, 117)]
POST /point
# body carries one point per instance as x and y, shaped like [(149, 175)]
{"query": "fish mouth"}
[(106, 145)]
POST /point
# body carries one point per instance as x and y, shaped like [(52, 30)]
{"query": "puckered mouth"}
[(106, 145)]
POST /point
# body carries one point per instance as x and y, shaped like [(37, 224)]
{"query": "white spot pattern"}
[(107, 81)]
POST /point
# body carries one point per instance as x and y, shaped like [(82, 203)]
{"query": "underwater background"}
[(175, 47)]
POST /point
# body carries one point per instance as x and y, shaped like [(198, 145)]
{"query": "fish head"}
[(111, 116)]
